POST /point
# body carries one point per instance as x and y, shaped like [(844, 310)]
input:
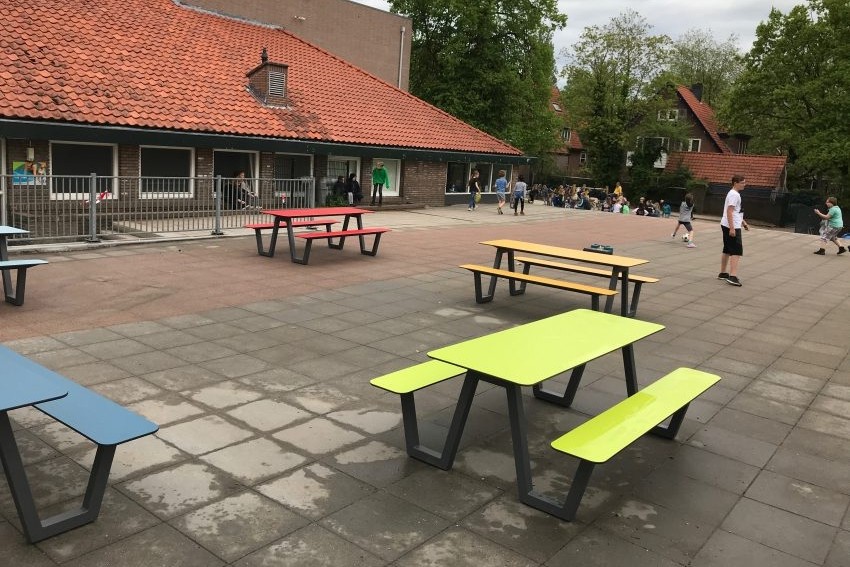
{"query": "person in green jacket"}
[(379, 179)]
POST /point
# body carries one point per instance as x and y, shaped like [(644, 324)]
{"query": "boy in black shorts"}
[(731, 224)]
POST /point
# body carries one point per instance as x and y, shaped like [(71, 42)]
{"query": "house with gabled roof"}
[(570, 156), (154, 88)]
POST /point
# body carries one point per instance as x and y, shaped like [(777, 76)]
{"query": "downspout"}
[(401, 56)]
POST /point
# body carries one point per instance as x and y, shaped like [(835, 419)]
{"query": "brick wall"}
[(424, 182)]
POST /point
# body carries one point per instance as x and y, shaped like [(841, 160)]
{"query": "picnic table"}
[(537, 352), (616, 267), (14, 295), (322, 216), (23, 383)]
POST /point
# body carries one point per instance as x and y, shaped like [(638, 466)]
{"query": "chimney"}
[(696, 88), (268, 82)]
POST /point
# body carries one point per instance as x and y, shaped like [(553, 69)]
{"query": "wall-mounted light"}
[(30, 153)]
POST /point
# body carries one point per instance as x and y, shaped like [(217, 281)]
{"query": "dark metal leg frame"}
[(443, 459), (34, 528), (15, 297), (567, 509), (565, 399)]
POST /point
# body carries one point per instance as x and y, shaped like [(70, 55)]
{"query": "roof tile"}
[(760, 171)]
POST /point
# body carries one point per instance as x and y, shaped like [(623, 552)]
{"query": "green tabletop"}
[(534, 352)]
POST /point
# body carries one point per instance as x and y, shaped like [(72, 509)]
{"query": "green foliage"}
[(490, 63), (696, 57), (794, 93), (614, 92)]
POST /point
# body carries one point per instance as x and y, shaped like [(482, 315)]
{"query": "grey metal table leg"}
[(35, 529), (443, 459), (629, 368), (565, 399)]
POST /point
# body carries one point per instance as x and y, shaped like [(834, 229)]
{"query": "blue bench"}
[(93, 416), (16, 297)]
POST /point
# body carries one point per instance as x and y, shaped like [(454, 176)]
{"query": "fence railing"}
[(92, 208)]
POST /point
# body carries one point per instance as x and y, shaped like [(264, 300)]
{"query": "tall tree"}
[(613, 83), (794, 93), (491, 63), (696, 57)]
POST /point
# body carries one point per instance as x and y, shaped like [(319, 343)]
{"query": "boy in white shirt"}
[(731, 224)]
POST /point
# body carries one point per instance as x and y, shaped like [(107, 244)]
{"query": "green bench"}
[(636, 280), (524, 278), (405, 382), (597, 440)]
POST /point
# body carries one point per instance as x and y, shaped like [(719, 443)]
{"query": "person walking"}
[(379, 180), (501, 187), (731, 224), (474, 190), (834, 224), (519, 196), (686, 216)]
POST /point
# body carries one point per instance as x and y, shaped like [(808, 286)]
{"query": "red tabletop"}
[(317, 212)]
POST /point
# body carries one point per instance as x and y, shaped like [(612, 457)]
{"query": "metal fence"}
[(92, 208)]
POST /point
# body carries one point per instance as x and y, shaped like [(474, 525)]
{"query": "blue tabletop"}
[(21, 385), (11, 230)]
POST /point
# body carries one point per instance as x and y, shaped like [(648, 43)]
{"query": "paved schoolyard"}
[(275, 450)]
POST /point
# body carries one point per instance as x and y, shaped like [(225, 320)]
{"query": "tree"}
[(614, 83), (696, 57), (793, 95), (490, 63)]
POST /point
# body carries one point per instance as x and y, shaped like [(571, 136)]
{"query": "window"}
[(556, 107), (71, 164), (669, 115), (508, 172), (566, 134), (582, 157), (393, 167), (165, 172), (456, 177), (694, 144), (292, 166)]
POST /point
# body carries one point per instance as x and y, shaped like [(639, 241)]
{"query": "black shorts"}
[(687, 225), (732, 246)]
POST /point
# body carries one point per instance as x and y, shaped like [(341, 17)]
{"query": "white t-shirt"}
[(616, 208), (733, 199)]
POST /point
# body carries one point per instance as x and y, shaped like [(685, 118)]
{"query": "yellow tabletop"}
[(534, 352), (567, 253)]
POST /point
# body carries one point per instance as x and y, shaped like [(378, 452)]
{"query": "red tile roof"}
[(760, 171), (574, 143), (705, 115), (154, 64)]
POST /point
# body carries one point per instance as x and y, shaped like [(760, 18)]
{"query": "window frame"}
[(63, 196), (169, 194)]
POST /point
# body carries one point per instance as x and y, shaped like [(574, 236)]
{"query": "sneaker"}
[(820, 252), (722, 276), (469, 208), (733, 280), (691, 245), (515, 213), (523, 213), (841, 250)]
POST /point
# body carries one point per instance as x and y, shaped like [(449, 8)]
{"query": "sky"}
[(670, 17)]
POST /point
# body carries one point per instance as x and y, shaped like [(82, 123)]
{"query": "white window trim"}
[(569, 134), (71, 196), (393, 191), (668, 115), (169, 195), (690, 144), (582, 157)]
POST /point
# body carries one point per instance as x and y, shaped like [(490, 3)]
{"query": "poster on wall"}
[(29, 172)]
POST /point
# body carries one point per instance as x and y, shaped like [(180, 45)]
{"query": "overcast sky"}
[(671, 17)]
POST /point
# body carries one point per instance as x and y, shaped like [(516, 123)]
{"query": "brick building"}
[(156, 89)]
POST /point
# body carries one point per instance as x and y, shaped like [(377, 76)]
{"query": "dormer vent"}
[(268, 82)]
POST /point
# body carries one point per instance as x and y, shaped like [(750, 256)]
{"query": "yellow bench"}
[(594, 292), (405, 382), (636, 280), (600, 438)]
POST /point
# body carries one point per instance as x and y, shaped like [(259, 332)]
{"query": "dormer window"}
[(268, 82), (556, 107)]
